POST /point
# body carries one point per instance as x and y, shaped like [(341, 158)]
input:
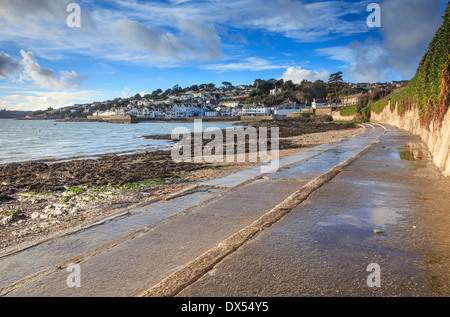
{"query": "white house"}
[(134, 112), (211, 113), (236, 112), (226, 112), (253, 110), (185, 111), (104, 114), (144, 103), (231, 103), (169, 101), (145, 112), (187, 97), (275, 91), (203, 95), (287, 108), (152, 113)]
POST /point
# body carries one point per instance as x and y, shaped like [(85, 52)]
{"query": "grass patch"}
[(103, 189), (131, 186), (136, 185), (31, 194), (359, 121), (349, 111), (154, 181), (75, 190), (90, 198), (10, 212)]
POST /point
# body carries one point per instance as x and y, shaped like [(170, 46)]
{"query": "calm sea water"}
[(22, 141)]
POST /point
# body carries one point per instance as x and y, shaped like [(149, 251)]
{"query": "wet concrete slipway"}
[(310, 228)]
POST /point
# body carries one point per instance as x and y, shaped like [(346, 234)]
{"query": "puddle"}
[(413, 152), (376, 217)]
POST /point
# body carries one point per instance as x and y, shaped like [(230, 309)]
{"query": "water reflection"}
[(413, 152)]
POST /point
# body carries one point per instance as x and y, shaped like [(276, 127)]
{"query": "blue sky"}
[(128, 47)]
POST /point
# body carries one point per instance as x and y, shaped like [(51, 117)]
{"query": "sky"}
[(52, 57)]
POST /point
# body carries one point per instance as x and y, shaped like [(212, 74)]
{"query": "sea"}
[(35, 140)]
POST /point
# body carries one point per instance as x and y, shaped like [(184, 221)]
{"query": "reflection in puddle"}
[(413, 152), (370, 218)]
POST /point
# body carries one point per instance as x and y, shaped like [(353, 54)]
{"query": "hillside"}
[(7, 114), (429, 90)]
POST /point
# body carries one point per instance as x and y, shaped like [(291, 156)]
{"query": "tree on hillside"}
[(288, 85), (227, 84), (176, 89), (279, 83), (335, 84), (167, 93), (256, 83), (155, 94)]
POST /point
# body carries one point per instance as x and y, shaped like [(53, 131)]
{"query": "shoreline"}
[(137, 119), (41, 199)]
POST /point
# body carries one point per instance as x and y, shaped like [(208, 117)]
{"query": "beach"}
[(39, 199)]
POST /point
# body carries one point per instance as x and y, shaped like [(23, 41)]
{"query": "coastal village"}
[(265, 99)]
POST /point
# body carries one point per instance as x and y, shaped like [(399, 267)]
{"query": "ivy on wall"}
[(429, 90)]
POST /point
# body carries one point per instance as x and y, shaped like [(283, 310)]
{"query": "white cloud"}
[(363, 61), (45, 77), (126, 93), (247, 64), (302, 21), (179, 32), (298, 74), (38, 100), (407, 28), (167, 34), (29, 69)]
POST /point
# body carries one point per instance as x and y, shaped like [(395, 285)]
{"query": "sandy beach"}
[(42, 199)]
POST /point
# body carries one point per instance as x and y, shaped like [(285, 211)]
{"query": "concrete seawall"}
[(338, 117), (113, 119), (437, 138)]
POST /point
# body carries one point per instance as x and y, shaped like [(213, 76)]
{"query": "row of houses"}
[(188, 110)]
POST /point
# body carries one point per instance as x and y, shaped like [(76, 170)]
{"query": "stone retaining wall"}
[(338, 117), (437, 138)]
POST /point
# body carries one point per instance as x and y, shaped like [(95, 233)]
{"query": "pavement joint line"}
[(80, 228), (263, 176), (97, 250), (98, 222), (173, 284), (63, 265), (188, 190), (104, 247), (27, 280), (127, 212)]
